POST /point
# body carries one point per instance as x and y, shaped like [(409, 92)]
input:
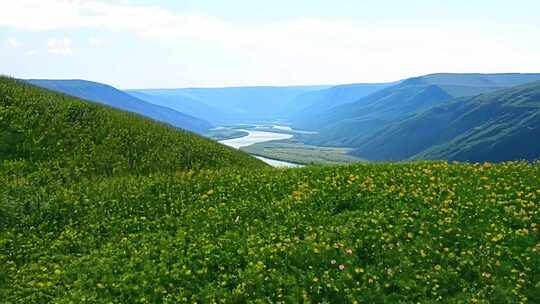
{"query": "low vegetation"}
[(179, 219), (421, 232), (50, 132), (225, 133), (299, 153)]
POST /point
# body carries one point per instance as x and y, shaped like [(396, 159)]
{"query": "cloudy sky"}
[(184, 43)]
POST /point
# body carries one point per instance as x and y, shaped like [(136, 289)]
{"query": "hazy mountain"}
[(238, 104), (497, 126), (180, 103), (351, 123), (316, 102), (113, 97), (459, 85)]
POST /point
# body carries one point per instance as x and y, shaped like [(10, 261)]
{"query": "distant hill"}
[(351, 123), (459, 85), (51, 132), (99, 205), (315, 102), (180, 103), (234, 104), (113, 97), (497, 126)]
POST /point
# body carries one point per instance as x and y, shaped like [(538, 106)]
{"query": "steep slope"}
[(459, 85), (350, 124), (110, 96), (243, 104), (57, 133), (316, 102), (180, 103), (497, 126), (102, 206)]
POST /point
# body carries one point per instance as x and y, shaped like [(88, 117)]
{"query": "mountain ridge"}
[(352, 123), (109, 95), (59, 135), (462, 128)]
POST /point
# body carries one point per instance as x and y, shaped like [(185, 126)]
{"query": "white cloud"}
[(31, 52), (60, 46), (290, 51), (95, 42), (12, 42), (300, 37)]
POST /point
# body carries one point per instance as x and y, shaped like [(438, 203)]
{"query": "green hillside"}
[(102, 206), (396, 233), (110, 96), (498, 126), (351, 124), (46, 131)]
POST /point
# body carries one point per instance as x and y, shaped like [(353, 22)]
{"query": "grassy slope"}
[(113, 97), (409, 233), (54, 132), (497, 126), (382, 233)]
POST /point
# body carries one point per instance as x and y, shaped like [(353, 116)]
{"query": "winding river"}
[(254, 137)]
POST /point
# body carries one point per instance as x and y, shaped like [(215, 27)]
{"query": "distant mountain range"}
[(316, 102), (108, 95), (351, 124), (497, 126), (466, 117), (230, 105)]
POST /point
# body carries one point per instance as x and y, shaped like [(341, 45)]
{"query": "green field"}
[(225, 133), (297, 152), (421, 232), (101, 206)]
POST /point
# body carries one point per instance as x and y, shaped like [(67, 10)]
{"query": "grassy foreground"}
[(382, 233), (101, 206)]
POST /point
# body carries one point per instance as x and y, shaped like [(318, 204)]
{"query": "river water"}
[(254, 137)]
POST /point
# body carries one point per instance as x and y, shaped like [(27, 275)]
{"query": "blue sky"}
[(150, 44)]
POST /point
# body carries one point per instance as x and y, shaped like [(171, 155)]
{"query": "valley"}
[(254, 137), (119, 202), (235, 152), (278, 146)]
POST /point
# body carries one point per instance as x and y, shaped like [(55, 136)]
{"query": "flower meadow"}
[(101, 206), (367, 233)]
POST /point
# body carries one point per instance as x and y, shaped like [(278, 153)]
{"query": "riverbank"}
[(294, 151), (254, 137)]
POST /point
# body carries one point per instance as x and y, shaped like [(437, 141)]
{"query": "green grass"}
[(225, 133), (60, 134), (297, 152), (379, 233), (223, 228)]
